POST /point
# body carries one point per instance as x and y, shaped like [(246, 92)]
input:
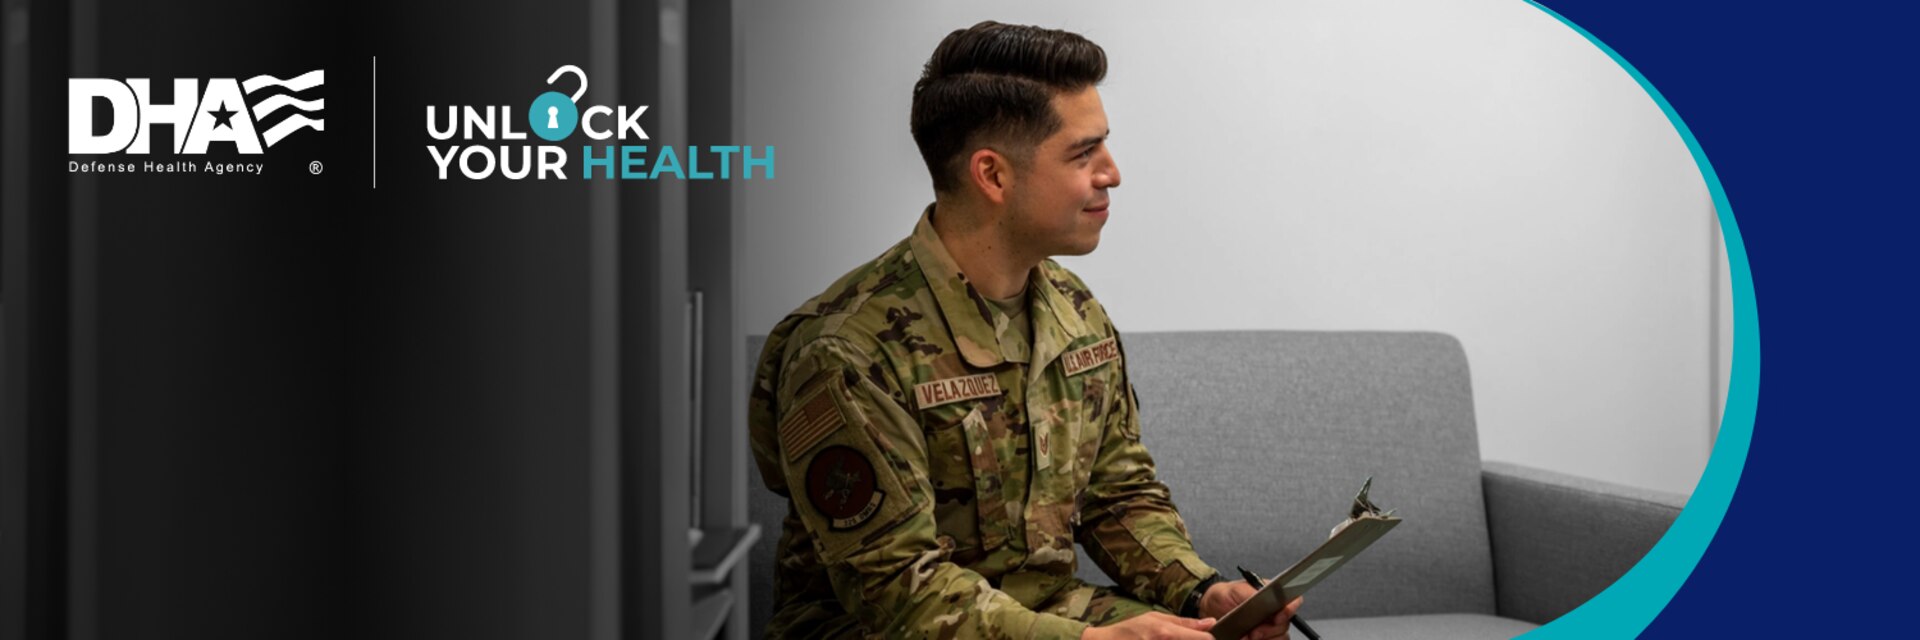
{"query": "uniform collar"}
[(979, 329), (1055, 282), (1057, 323)]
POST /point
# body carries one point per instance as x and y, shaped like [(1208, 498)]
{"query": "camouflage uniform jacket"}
[(939, 469)]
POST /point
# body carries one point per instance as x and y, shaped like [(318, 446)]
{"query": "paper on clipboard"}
[(1365, 523)]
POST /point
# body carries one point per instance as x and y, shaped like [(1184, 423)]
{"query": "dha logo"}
[(553, 117), (229, 111)]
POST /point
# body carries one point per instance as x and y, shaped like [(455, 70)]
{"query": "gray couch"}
[(1264, 436)]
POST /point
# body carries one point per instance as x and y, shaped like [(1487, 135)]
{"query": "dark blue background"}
[(1806, 112)]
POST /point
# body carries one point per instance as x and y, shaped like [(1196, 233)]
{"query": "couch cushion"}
[(1559, 539), (1448, 626), (1264, 436)]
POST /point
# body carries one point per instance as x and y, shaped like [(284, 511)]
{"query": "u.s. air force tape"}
[(1090, 356)]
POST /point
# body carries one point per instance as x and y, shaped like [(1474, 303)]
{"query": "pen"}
[(1298, 622)]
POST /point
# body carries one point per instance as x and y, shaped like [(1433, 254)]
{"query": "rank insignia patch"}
[(841, 485)]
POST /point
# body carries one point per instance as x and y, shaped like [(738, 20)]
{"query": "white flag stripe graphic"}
[(306, 81), (293, 123), (275, 101)]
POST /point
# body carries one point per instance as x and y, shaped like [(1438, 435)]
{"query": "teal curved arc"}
[(1626, 607)]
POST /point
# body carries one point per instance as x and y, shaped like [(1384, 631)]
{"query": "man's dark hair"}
[(993, 84)]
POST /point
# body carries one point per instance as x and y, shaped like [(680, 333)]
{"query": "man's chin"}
[(1081, 248)]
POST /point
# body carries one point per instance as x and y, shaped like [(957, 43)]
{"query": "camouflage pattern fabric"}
[(939, 470)]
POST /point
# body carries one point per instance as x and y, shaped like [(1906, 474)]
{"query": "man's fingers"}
[(1277, 627), (1202, 624), (1192, 628), (1280, 619), (1268, 632), (1239, 592)]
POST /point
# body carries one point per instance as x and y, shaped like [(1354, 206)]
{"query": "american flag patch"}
[(816, 418)]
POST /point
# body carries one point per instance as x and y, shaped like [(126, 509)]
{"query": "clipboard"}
[(1364, 525)]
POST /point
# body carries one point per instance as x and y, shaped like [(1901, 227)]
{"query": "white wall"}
[(1470, 167)]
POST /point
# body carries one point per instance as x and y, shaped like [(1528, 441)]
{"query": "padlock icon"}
[(553, 114)]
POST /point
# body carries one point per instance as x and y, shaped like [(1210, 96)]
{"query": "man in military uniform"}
[(950, 418)]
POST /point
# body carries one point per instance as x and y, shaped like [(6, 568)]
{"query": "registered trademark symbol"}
[(315, 167)]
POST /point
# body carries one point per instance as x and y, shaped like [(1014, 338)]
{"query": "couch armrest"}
[(1559, 540)]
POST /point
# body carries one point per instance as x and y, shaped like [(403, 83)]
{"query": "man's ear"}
[(991, 174)]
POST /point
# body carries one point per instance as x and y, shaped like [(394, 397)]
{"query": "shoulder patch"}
[(928, 395), (816, 419), (1090, 356), (841, 485)]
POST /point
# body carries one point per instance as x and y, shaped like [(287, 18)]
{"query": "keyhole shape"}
[(553, 117)]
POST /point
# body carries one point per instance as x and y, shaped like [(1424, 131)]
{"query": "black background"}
[(300, 404)]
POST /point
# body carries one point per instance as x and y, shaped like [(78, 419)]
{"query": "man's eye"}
[(1086, 154)]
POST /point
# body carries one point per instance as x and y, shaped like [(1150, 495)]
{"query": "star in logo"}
[(222, 116)]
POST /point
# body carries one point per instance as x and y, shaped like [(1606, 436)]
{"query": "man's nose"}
[(1108, 176)]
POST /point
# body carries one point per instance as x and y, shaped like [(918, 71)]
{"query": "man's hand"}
[(1152, 626), (1223, 597)]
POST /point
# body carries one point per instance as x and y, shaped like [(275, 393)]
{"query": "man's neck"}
[(982, 250)]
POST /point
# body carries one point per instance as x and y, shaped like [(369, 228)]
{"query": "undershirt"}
[(1015, 308)]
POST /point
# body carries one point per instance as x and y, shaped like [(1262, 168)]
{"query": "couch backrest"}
[(1264, 436)]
